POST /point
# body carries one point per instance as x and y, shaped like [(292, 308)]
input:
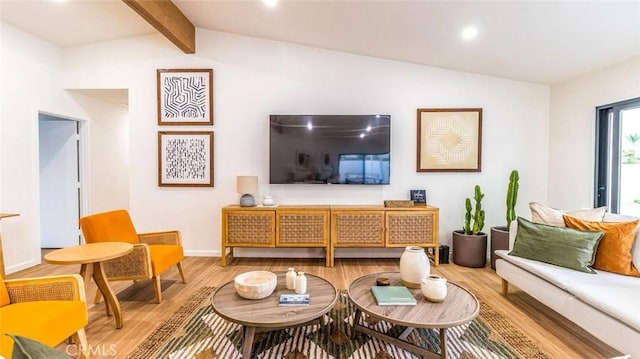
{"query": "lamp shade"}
[(247, 184)]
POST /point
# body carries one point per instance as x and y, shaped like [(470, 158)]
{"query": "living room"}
[(543, 128)]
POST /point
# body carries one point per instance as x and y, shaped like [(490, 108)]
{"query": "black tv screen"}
[(329, 149)]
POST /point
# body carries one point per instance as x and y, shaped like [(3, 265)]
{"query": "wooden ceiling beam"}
[(165, 16)]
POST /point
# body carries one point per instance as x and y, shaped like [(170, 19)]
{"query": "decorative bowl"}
[(255, 284)]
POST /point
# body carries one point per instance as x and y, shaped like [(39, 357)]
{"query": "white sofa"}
[(605, 304)]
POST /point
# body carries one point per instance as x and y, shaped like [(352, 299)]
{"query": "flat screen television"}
[(329, 149)]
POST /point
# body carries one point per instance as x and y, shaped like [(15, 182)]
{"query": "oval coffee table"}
[(459, 307), (265, 314)]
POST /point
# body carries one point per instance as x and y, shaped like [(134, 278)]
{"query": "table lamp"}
[(246, 185)]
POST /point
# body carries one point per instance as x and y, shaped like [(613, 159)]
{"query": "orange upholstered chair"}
[(46, 309), (153, 253)]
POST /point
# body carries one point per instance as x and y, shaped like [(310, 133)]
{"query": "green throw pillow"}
[(564, 247), (25, 348)]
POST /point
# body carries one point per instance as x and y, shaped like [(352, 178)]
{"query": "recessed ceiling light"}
[(270, 3), (469, 32)]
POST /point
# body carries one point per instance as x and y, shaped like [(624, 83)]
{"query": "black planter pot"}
[(470, 250), (499, 240)]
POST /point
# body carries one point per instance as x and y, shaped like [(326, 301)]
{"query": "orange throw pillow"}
[(614, 251)]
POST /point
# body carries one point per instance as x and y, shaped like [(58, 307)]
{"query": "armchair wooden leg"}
[(157, 288), (181, 270), (80, 339)]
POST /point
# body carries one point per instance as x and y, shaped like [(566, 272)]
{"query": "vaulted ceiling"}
[(536, 41)]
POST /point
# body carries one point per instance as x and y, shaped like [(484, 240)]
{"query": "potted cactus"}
[(500, 234), (470, 243)]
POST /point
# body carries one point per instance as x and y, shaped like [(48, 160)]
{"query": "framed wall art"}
[(185, 96), (185, 159), (449, 140)]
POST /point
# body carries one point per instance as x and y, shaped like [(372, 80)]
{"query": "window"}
[(365, 169), (617, 182)]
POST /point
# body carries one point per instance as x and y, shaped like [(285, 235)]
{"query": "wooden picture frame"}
[(185, 158), (449, 140), (185, 96)]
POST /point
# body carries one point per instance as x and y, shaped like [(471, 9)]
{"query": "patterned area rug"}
[(195, 331)]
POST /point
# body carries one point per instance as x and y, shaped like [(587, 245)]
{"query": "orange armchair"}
[(46, 309), (153, 253)]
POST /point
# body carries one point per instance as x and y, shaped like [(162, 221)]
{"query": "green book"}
[(393, 295)]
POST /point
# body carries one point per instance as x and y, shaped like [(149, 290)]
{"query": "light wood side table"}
[(94, 254)]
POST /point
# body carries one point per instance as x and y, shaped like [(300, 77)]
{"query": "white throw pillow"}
[(513, 231), (553, 217)]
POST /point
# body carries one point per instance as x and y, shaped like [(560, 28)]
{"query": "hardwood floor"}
[(557, 336)]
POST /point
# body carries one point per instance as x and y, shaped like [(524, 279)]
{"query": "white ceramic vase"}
[(434, 288), (414, 266), (268, 201)]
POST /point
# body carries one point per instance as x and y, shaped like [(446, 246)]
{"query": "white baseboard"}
[(202, 253), (20, 266)]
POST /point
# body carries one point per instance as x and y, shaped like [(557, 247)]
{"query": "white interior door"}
[(59, 182)]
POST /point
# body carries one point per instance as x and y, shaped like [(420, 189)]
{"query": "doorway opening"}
[(61, 197)]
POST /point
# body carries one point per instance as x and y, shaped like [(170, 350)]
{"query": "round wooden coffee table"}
[(265, 314), (459, 307)]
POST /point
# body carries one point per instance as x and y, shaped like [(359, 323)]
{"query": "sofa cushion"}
[(560, 246), (164, 256), (553, 217), (614, 250), (613, 294), (65, 316), (635, 250)]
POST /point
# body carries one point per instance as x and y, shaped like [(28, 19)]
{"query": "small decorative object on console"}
[(398, 203), (414, 265), (268, 201), (255, 284), (247, 185), (418, 196), (434, 288)]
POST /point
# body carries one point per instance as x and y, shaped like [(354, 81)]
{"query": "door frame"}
[(608, 149)]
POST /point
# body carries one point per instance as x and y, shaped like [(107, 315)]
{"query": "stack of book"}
[(293, 299)]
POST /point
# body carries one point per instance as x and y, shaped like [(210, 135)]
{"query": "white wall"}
[(108, 152), (30, 82), (254, 78), (572, 129)]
